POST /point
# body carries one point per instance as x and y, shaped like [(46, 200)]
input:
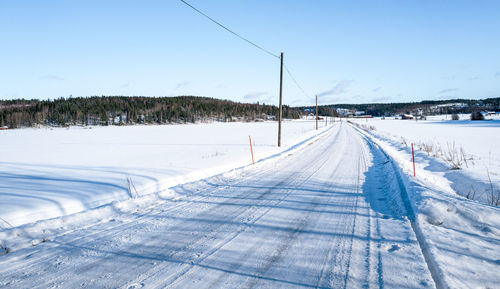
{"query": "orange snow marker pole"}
[(251, 150), (413, 157)]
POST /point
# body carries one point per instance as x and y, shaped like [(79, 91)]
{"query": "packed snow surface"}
[(334, 208), (318, 217)]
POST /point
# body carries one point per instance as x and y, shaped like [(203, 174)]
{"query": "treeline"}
[(426, 107), (122, 110)]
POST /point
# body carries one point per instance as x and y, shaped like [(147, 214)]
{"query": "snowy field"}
[(46, 173), (472, 144)]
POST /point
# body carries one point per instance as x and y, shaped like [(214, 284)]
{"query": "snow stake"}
[(251, 150), (413, 157)]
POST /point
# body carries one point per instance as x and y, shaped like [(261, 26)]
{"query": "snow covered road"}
[(326, 216)]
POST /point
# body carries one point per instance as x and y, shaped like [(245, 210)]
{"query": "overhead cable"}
[(249, 42), (296, 83), (231, 31)]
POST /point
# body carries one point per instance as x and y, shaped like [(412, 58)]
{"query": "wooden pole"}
[(316, 112), (281, 97)]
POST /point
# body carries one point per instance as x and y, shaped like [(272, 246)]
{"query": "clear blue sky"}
[(344, 51)]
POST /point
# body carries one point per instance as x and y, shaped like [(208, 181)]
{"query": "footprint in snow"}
[(393, 248), (135, 286)]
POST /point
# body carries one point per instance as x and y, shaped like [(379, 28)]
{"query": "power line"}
[(251, 43), (296, 83), (231, 31)]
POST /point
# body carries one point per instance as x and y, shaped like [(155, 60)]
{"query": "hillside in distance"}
[(426, 107), (123, 110)]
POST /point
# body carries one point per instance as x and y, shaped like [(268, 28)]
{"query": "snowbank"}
[(462, 236), (472, 146)]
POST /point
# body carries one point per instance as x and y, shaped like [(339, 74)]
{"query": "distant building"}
[(3, 128), (344, 112), (406, 116), (120, 119), (440, 108)]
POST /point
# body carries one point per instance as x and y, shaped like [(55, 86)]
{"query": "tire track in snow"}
[(372, 216), (302, 222), (129, 221), (348, 265), (134, 221), (431, 265), (333, 269), (326, 259), (238, 263), (241, 195), (252, 176), (178, 252), (335, 254), (185, 274)]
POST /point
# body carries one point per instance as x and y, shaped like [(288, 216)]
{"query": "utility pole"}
[(281, 97), (316, 112)]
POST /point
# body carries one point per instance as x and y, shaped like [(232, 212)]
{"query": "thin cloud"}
[(254, 95), (377, 89), (497, 74), (182, 84), (125, 85), (339, 88), (448, 90), (260, 96), (51, 77)]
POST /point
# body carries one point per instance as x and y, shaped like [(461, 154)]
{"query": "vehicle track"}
[(184, 272), (82, 242)]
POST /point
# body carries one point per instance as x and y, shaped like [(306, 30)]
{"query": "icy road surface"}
[(325, 216)]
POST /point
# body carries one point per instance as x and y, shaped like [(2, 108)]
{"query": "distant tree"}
[(477, 115), (104, 117)]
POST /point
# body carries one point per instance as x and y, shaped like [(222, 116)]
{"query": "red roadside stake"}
[(413, 157), (251, 150)]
